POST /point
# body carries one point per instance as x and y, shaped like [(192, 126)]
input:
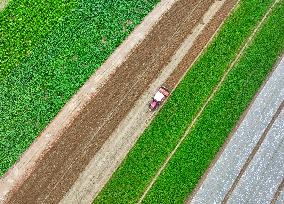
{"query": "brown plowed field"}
[(59, 168)]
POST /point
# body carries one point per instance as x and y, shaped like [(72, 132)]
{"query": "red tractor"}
[(158, 98)]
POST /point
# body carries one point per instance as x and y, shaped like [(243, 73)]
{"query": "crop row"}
[(64, 52), (191, 160)]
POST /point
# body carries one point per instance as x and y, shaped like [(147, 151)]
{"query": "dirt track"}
[(54, 174)]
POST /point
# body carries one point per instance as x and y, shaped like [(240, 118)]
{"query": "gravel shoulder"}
[(245, 158)]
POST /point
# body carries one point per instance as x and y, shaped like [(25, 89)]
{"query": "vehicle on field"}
[(158, 98)]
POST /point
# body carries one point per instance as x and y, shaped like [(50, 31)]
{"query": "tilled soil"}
[(59, 168)]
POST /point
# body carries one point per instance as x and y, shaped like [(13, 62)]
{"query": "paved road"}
[(251, 167)]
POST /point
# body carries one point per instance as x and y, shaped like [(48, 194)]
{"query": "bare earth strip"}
[(280, 199), (184, 26), (252, 146), (124, 137), (54, 162), (277, 198)]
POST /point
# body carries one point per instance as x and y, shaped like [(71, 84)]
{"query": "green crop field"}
[(217, 120), (48, 49), (23, 25)]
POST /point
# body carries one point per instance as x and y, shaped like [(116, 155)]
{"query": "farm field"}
[(55, 160), (175, 150), (180, 174), (245, 175), (48, 50)]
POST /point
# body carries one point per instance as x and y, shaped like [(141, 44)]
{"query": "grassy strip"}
[(219, 118), (159, 139), (23, 24), (36, 90)]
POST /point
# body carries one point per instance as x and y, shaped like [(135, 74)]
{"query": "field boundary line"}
[(109, 117), (253, 153), (216, 88), (26, 163)]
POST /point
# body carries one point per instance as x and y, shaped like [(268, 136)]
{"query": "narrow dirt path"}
[(124, 137), (215, 90)]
